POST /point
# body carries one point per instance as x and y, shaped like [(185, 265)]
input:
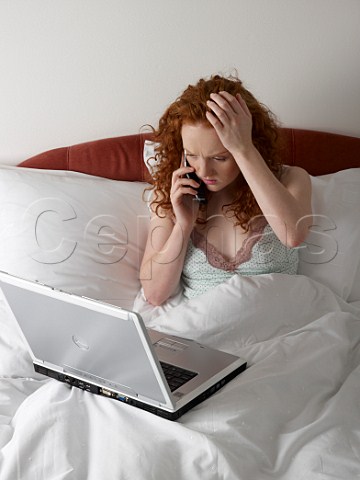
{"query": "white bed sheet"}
[(293, 414)]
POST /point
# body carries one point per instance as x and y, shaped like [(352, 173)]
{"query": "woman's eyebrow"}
[(224, 152)]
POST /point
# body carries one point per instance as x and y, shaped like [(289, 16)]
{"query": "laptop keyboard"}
[(176, 376)]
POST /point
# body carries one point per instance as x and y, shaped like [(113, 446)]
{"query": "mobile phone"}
[(201, 195)]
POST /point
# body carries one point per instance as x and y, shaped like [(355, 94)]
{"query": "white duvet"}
[(293, 414)]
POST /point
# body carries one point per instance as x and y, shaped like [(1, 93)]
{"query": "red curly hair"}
[(191, 108)]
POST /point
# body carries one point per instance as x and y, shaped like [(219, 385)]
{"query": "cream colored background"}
[(77, 70)]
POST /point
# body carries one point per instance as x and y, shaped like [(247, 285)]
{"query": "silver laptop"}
[(107, 350)]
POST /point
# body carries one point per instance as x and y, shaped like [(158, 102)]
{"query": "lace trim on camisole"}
[(217, 260)]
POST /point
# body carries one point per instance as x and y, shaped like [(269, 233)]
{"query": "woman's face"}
[(213, 164)]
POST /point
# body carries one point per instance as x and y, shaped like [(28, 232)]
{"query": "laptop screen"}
[(87, 338)]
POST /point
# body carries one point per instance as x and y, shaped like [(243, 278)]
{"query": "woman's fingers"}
[(231, 118), (243, 104), (220, 109), (180, 173), (225, 106), (227, 102), (181, 185), (214, 120), (182, 192), (225, 110)]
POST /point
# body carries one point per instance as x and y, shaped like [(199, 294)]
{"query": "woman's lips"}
[(209, 181)]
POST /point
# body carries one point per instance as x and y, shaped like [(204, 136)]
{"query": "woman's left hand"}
[(232, 121)]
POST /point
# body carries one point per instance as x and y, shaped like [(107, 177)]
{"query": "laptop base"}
[(105, 392)]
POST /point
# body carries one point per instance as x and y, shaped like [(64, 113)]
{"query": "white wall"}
[(77, 70)]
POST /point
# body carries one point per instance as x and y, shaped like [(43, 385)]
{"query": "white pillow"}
[(76, 232), (331, 252), (149, 155)]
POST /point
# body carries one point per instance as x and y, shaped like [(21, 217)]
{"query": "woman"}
[(256, 212)]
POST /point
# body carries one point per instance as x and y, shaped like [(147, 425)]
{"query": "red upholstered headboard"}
[(121, 158)]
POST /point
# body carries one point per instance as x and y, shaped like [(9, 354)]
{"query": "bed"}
[(76, 218)]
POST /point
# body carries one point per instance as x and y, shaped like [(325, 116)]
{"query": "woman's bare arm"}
[(168, 238), (163, 260), (285, 202)]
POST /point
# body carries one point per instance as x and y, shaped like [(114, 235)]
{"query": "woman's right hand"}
[(182, 196), (168, 238)]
